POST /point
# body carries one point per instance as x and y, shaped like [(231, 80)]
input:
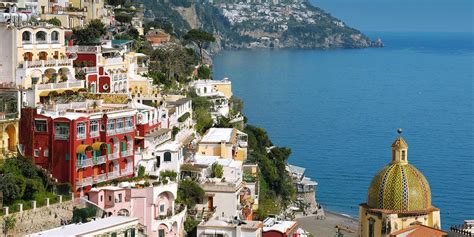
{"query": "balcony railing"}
[(100, 178), (83, 163), (8, 116), (59, 136), (126, 172), (129, 129), (99, 160), (84, 182), (111, 132), (89, 49), (113, 175), (94, 134), (114, 156), (127, 153), (61, 85), (81, 136), (46, 63)]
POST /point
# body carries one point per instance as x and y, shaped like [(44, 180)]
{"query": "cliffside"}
[(262, 25)]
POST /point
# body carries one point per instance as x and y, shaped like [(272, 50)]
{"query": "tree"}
[(54, 21), (123, 18), (9, 223), (217, 170), (13, 187), (141, 171), (204, 72), (199, 38), (189, 193), (90, 34)]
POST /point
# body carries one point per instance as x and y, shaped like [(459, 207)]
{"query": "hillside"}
[(264, 25)]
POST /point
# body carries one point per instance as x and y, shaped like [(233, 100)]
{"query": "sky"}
[(403, 15)]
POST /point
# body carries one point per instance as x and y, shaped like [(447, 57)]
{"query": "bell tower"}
[(400, 149)]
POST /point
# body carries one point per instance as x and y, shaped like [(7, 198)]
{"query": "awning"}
[(97, 145), (83, 148)]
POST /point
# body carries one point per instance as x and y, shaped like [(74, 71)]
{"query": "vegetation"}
[(168, 174), (141, 171), (54, 21), (217, 170), (190, 226), (174, 61), (9, 224), (204, 72), (201, 114), (91, 34), (189, 193), (184, 117), (199, 37), (83, 215)]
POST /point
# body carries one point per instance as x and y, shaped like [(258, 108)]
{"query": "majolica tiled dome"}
[(399, 186)]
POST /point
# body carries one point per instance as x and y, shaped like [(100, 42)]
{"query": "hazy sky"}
[(403, 15)]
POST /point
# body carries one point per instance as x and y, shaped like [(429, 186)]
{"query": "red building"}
[(82, 146)]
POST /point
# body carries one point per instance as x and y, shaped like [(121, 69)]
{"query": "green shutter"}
[(108, 149), (67, 156), (132, 231), (125, 234), (114, 234), (123, 146)]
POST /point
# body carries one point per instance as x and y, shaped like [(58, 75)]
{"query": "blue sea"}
[(338, 110)]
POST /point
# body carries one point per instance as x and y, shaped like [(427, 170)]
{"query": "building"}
[(228, 143), (207, 88), (464, 230), (419, 231), (82, 143), (157, 37), (119, 226), (305, 189), (9, 117), (154, 206), (398, 197), (274, 227), (219, 226)]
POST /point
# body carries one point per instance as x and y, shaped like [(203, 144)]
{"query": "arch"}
[(50, 75), (167, 156), (115, 87), (26, 37), (115, 144), (10, 130), (174, 229), (163, 228), (123, 212), (55, 36), (164, 203), (40, 36), (120, 85), (63, 74), (42, 55), (28, 56)]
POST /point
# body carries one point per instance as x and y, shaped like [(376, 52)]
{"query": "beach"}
[(326, 227)]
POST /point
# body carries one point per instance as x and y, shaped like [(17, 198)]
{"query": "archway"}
[(50, 76), (123, 212), (63, 74), (12, 138), (165, 204)]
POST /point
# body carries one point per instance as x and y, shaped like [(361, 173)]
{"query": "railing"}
[(114, 156), (94, 134), (111, 132), (8, 116), (71, 49), (100, 178), (84, 182), (113, 175), (89, 49), (126, 172), (127, 153), (99, 160), (81, 136), (59, 136), (46, 63), (83, 163), (61, 85), (129, 129)]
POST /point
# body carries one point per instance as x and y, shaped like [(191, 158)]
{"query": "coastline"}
[(326, 227)]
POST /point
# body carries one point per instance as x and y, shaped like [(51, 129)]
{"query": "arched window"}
[(167, 156), (41, 36), (55, 36), (26, 36), (371, 227)]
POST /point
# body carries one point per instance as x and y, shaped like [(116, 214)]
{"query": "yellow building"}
[(399, 197), (227, 143), (9, 116)]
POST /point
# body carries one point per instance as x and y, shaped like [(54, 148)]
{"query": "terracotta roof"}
[(419, 231)]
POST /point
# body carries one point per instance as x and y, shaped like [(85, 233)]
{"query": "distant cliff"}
[(261, 25)]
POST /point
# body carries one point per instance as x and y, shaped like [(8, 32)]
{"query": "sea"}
[(339, 110)]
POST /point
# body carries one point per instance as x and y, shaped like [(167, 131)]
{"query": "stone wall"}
[(40, 219)]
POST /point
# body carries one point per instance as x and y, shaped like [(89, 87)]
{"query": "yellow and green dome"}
[(399, 186)]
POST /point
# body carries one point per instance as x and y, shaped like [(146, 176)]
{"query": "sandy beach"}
[(326, 227)]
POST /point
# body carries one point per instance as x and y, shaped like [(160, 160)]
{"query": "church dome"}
[(399, 186)]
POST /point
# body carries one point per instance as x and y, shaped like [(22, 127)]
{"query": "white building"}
[(219, 226)]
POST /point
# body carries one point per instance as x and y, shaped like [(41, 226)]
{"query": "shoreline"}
[(326, 227)]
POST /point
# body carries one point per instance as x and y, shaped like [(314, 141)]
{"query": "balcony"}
[(113, 175), (111, 132), (127, 153), (114, 156), (60, 136), (83, 163), (94, 134), (89, 49), (81, 136), (129, 129), (61, 85), (46, 63), (99, 160), (8, 116), (83, 182), (100, 178), (126, 172)]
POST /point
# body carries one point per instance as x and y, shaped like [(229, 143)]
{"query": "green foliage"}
[(158, 77), (217, 170), (90, 34), (184, 117), (54, 21), (32, 187), (204, 72), (174, 61), (190, 225), (189, 193), (174, 132), (13, 187), (116, 2), (168, 174), (82, 215), (199, 37), (123, 18), (201, 114), (9, 223), (166, 26), (141, 171), (237, 105)]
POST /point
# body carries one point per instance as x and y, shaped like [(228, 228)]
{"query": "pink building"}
[(153, 206)]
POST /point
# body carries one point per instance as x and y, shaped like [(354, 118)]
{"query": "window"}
[(37, 153), (161, 233), (113, 234), (158, 158), (66, 156), (162, 208), (110, 198), (41, 36), (120, 197), (129, 122), (371, 227), (61, 131), (55, 36), (403, 155), (46, 153), (94, 128), (26, 36), (111, 124), (41, 126), (119, 123), (81, 130), (167, 156), (101, 198)]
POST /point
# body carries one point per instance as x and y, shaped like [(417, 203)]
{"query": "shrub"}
[(217, 170)]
